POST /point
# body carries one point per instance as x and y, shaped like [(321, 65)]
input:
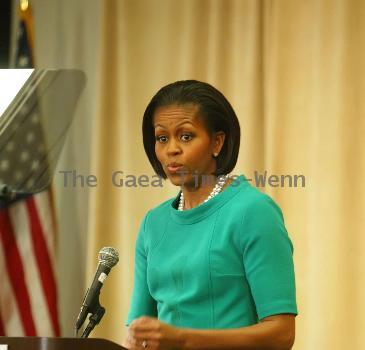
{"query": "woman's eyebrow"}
[(185, 122)]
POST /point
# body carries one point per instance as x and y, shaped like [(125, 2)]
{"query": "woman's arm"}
[(272, 333)]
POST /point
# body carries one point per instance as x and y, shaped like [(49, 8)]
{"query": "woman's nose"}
[(173, 147)]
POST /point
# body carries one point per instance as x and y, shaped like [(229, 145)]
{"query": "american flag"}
[(28, 292)]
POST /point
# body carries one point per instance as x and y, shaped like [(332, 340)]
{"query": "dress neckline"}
[(203, 210)]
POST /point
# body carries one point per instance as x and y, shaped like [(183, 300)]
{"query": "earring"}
[(215, 155)]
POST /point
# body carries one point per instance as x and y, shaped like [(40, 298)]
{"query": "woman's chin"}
[(178, 179)]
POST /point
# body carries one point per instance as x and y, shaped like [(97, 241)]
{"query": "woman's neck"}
[(196, 195)]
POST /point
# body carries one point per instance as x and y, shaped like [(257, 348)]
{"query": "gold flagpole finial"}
[(24, 5)]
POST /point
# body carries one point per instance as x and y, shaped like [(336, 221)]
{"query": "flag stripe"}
[(14, 266), (9, 313), (44, 209), (44, 263), (21, 229)]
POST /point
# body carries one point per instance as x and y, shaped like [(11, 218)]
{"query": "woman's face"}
[(183, 144)]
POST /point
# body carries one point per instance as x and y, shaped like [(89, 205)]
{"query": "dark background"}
[(5, 16)]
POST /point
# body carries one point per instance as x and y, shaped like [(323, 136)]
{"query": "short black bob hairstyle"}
[(214, 108)]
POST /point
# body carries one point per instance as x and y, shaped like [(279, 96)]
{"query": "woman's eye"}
[(163, 139), (160, 139), (186, 137)]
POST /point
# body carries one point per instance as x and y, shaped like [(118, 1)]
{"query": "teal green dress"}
[(226, 263)]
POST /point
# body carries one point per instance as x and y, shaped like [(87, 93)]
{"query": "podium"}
[(42, 343)]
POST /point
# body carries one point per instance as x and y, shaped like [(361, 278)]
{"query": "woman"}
[(213, 266)]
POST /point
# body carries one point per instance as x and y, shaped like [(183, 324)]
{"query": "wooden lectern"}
[(38, 343)]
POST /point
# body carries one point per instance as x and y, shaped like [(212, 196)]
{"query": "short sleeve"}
[(268, 259), (142, 302)]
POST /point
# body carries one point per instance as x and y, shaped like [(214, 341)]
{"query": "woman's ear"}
[(219, 138)]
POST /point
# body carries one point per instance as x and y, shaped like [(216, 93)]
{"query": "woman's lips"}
[(174, 168)]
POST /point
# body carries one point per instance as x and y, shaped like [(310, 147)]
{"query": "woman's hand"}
[(150, 333)]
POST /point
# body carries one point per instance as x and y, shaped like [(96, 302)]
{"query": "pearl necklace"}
[(217, 188)]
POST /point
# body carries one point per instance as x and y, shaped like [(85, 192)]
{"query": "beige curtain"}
[(294, 72)]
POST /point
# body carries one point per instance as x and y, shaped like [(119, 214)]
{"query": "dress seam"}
[(153, 247), (210, 272)]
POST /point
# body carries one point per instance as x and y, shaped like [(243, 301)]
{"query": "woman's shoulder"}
[(253, 201)]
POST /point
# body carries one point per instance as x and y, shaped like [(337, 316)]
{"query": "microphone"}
[(108, 257)]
